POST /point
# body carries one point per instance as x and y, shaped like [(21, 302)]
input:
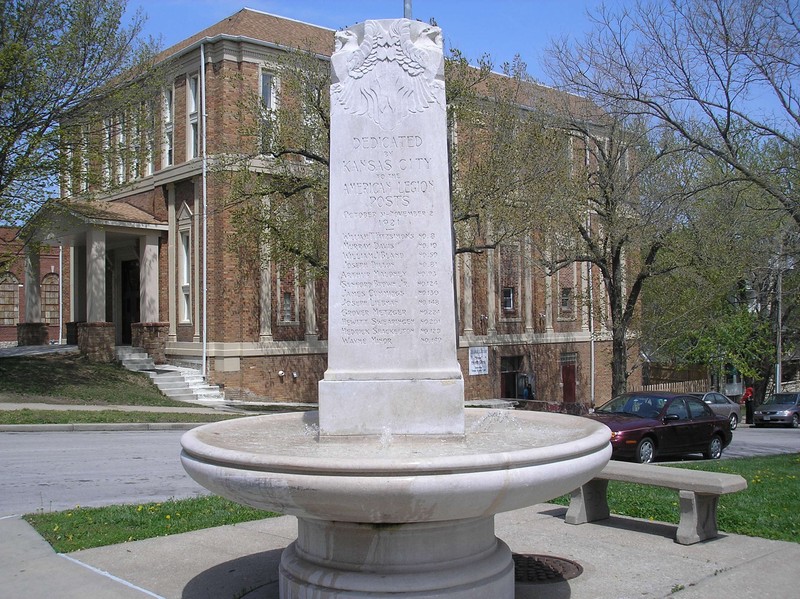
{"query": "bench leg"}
[(698, 517), (588, 503)]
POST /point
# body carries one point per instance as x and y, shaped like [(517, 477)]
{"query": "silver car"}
[(779, 408), (722, 406)]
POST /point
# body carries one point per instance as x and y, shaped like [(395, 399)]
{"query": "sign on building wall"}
[(478, 360)]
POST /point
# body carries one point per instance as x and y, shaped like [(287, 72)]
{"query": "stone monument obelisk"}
[(392, 335)]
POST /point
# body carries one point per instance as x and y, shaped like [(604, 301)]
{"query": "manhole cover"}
[(538, 569)]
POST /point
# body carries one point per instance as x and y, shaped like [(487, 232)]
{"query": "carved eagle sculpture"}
[(409, 81)]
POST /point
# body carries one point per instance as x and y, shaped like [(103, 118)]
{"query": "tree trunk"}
[(619, 366)]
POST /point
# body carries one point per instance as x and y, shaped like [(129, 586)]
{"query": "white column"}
[(33, 294), (148, 278), (95, 275), (172, 259)]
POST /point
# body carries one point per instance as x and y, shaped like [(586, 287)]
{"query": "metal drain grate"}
[(539, 569)]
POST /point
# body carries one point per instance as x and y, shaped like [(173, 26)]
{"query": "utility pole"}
[(407, 9)]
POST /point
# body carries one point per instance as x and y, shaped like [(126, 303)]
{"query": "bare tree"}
[(722, 74)]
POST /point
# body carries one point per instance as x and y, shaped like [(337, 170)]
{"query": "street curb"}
[(99, 427)]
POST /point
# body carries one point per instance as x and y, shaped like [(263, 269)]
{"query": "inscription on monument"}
[(390, 279)]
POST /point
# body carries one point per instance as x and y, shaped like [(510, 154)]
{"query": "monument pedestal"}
[(459, 559), (398, 407)]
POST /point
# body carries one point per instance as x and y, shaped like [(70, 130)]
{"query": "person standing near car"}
[(747, 400)]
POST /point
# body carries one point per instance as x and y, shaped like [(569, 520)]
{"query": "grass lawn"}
[(83, 528), (767, 508), (26, 416), (71, 379)]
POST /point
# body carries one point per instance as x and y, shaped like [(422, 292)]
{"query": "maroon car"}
[(648, 423)]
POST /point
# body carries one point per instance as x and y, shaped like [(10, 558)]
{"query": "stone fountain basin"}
[(505, 461)]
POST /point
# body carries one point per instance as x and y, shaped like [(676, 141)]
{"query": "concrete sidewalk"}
[(621, 558)]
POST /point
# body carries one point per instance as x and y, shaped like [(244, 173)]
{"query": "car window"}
[(678, 408), (698, 409), (719, 399)]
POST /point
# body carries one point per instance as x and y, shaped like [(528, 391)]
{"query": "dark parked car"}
[(649, 423), (722, 406), (780, 408)]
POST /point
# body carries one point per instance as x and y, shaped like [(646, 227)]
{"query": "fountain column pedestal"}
[(458, 559)]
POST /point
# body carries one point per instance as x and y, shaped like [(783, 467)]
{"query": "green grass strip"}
[(26, 416), (767, 508), (84, 528)]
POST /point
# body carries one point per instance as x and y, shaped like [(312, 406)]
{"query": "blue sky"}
[(501, 28)]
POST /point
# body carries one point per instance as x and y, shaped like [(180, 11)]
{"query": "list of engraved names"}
[(391, 273)]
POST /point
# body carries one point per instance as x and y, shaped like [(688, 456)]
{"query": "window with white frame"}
[(185, 264), (150, 127), (508, 299), (192, 109), (168, 149), (108, 149), (267, 90), (122, 149), (85, 136), (267, 94)]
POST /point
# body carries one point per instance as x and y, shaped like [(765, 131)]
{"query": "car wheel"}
[(714, 449), (795, 421), (645, 451), (734, 421)]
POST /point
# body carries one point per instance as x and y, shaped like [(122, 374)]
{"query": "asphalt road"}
[(53, 471)]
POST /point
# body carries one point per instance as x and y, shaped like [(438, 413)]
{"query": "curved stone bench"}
[(699, 493)]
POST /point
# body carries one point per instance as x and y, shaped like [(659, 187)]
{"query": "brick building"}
[(148, 263), (31, 307)]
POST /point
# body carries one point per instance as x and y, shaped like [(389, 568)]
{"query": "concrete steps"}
[(176, 382)]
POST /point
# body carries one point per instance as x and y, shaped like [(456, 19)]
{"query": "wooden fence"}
[(695, 386)]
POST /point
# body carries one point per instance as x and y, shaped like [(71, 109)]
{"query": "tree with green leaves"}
[(57, 60)]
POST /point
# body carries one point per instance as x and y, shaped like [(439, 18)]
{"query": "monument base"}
[(457, 559), (397, 407)]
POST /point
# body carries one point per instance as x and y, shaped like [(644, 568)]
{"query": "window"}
[(565, 301), (267, 93), (108, 151), (286, 307), (169, 128), (267, 90), (9, 299), (49, 290), (85, 158), (508, 299), (287, 294), (193, 99), (185, 276), (122, 150)]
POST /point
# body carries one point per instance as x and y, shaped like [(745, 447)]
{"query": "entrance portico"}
[(113, 262)]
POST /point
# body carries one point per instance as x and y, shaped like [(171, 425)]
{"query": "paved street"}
[(58, 470)]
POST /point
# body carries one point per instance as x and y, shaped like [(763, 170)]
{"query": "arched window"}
[(50, 298), (9, 299)]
